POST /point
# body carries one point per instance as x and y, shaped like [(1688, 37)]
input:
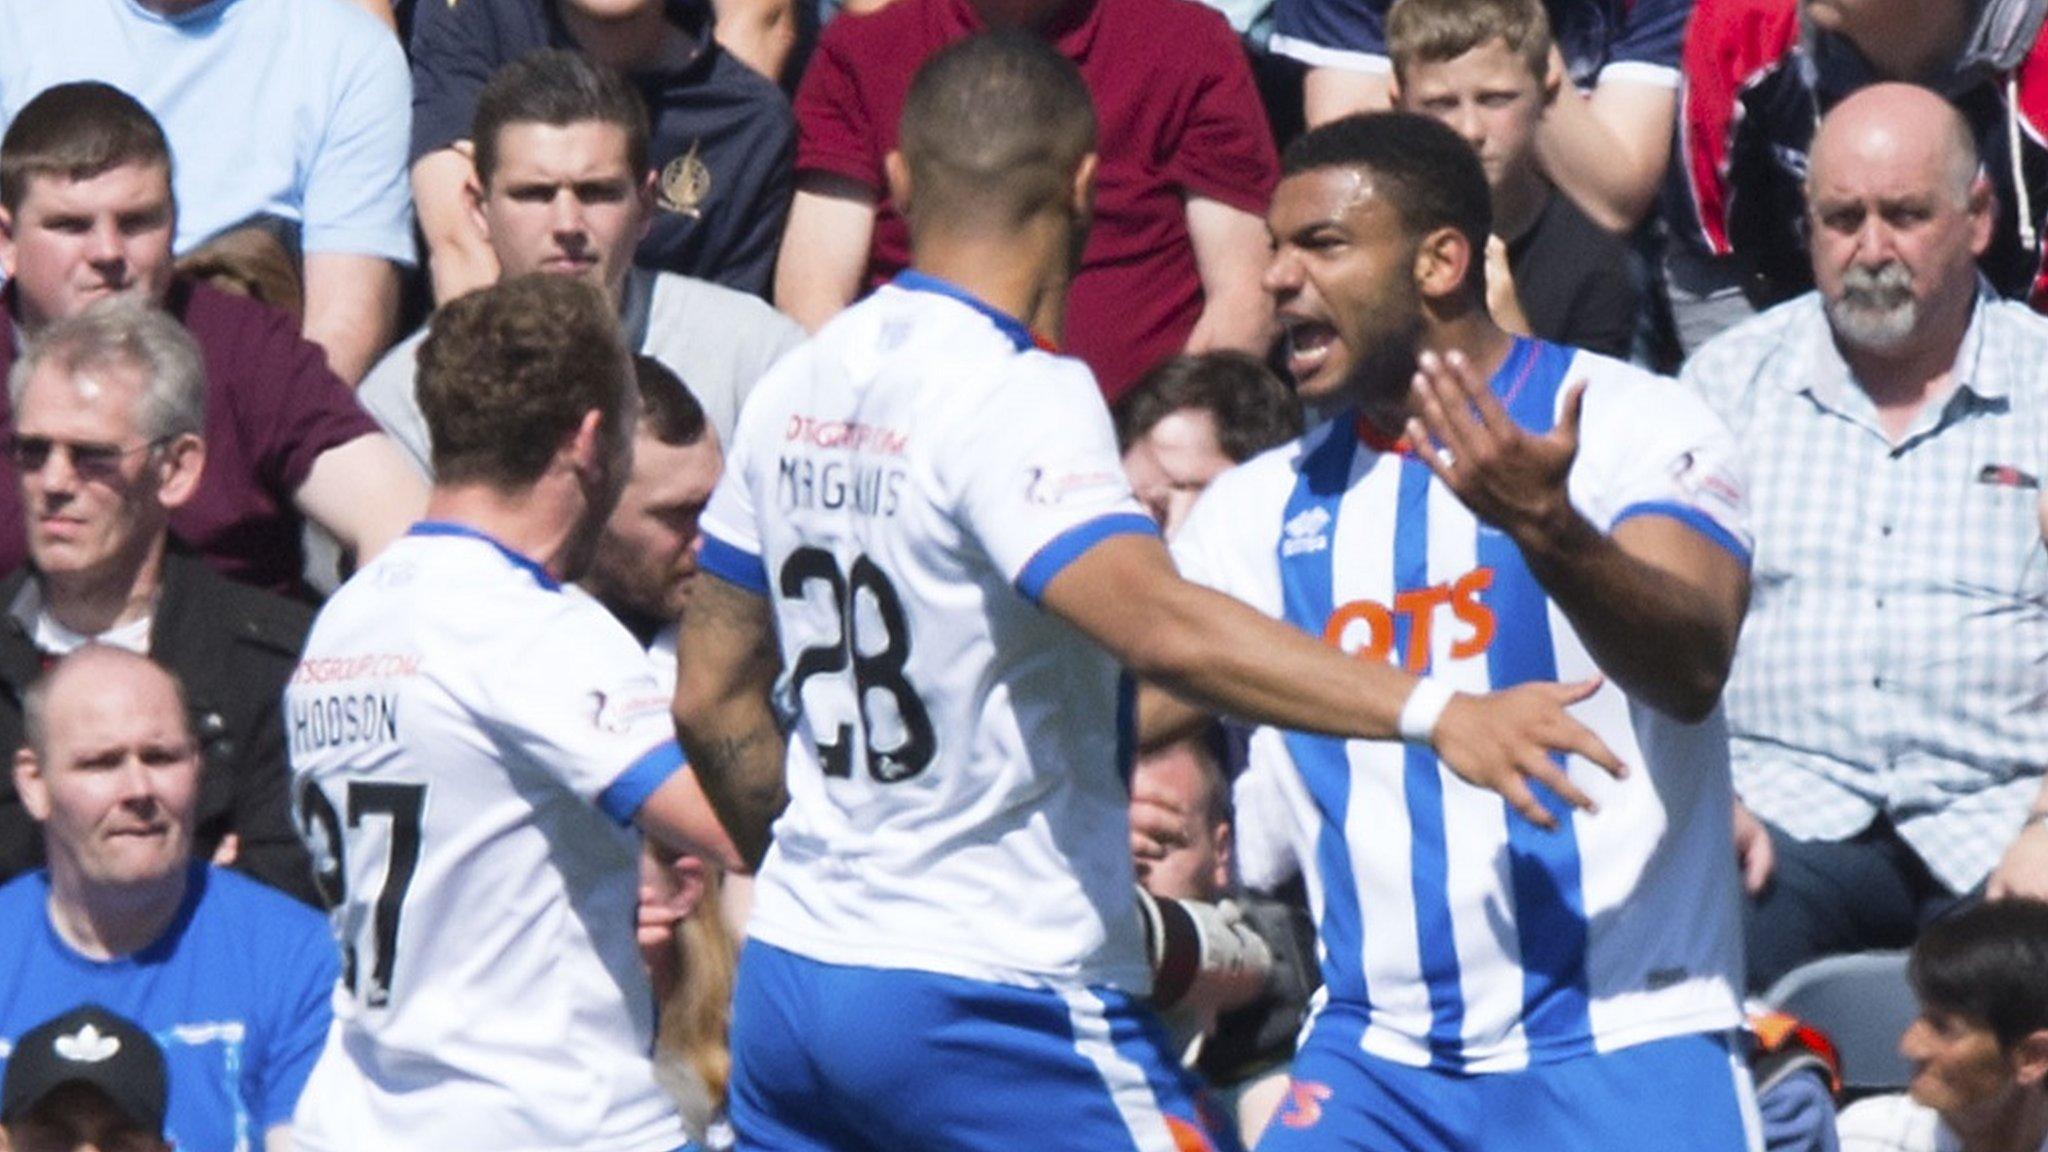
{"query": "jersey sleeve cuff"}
[(1692, 518), (622, 799), (733, 564), (1069, 545)]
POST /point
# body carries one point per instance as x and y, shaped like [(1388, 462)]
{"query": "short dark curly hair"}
[(507, 373), (1426, 171)]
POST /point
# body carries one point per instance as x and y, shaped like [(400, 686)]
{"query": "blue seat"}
[(1864, 1003)]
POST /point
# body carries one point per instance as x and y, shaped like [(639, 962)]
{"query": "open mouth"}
[(1309, 344)]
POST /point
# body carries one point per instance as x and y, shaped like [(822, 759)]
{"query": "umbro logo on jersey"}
[(1308, 532), (87, 1046)]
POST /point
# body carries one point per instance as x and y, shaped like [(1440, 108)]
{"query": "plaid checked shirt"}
[(1895, 659)]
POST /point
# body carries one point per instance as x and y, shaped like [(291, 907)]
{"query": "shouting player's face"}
[(564, 200), (1343, 282), (117, 779)]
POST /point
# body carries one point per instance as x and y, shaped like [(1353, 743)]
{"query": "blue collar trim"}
[(1010, 326), (447, 528)]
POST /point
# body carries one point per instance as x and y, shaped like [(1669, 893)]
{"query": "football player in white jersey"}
[(924, 550), (1486, 510), (473, 740)]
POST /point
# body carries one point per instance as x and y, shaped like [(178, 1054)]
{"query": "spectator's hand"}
[(1508, 477), (1503, 740), (1159, 825), (1501, 297), (229, 851), (669, 892), (2023, 870), (1753, 851)]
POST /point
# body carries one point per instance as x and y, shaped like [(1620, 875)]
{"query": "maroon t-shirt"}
[(272, 407), (1179, 115)]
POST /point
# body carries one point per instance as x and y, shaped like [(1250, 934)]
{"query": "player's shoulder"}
[(959, 352), (1246, 497), (444, 583), (1604, 374)]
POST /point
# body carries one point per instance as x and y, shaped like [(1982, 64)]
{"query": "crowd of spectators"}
[(219, 219)]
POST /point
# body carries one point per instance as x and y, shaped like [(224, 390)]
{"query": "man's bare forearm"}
[(726, 667), (742, 776), (1664, 631)]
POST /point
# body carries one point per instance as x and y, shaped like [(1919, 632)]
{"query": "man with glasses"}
[(86, 212), (107, 442)]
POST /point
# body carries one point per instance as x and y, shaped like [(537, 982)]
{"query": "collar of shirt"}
[(1832, 385), (53, 639)]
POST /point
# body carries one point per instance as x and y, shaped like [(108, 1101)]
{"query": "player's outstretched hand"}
[(1503, 740), (1508, 476)]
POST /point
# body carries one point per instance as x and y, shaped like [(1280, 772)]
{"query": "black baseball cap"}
[(92, 1046)]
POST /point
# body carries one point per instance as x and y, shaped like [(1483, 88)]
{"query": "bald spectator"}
[(234, 979), (1758, 75), (107, 445), (1884, 705), (563, 188), (1186, 165), (86, 212), (290, 111)]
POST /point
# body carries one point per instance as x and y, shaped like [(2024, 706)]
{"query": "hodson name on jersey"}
[(343, 718)]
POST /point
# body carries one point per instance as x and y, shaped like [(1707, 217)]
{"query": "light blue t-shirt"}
[(237, 991), (299, 109)]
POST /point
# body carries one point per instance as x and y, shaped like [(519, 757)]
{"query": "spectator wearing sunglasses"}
[(107, 443)]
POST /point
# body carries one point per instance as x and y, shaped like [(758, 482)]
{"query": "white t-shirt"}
[(1469, 938), (1896, 1123), (903, 488), (470, 742)]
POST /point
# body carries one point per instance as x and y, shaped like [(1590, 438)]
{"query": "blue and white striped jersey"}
[(1474, 940)]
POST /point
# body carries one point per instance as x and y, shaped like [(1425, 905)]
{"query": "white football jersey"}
[(902, 488), (470, 742), (1474, 940)]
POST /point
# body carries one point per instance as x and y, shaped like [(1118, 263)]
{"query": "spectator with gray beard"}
[(1884, 705)]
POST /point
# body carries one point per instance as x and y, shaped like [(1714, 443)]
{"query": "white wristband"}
[(1424, 707)]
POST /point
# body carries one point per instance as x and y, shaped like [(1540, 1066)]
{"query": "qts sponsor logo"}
[(1367, 629), (1303, 1106)]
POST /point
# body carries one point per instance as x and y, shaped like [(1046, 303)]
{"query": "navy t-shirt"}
[(723, 137)]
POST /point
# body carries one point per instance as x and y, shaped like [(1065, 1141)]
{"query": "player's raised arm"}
[(1659, 601), (722, 708), (1211, 649)]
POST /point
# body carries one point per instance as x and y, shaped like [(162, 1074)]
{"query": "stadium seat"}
[(1864, 1003)]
